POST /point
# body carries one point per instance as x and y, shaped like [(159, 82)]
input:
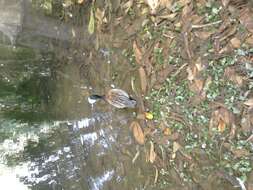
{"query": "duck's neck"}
[(96, 97)]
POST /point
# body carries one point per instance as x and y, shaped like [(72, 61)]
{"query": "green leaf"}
[(91, 26)]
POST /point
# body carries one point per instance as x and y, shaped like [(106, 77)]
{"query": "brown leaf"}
[(249, 40), (196, 19), (203, 35), (99, 15), (127, 6), (152, 154), (167, 131), (235, 42), (163, 74), (192, 72), (137, 53), (184, 2), (221, 126), (199, 84), (221, 118), (240, 153), (170, 16), (194, 69), (246, 18), (176, 147), (231, 74), (143, 79), (166, 3), (137, 132), (249, 102)]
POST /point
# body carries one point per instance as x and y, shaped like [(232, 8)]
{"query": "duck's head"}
[(94, 98)]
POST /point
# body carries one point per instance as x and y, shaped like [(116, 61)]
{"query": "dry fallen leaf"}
[(137, 53), (249, 40), (137, 132), (240, 153), (153, 4), (199, 84), (127, 6), (232, 75), (235, 42), (80, 1), (143, 79), (249, 102), (184, 2), (246, 18), (176, 147), (194, 69), (203, 35), (192, 72), (221, 118), (152, 154), (225, 2), (166, 3), (221, 126), (163, 73), (167, 131)]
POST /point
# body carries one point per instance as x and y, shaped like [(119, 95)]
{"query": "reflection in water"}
[(89, 157), (9, 178)]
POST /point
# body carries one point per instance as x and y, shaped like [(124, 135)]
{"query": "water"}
[(50, 137)]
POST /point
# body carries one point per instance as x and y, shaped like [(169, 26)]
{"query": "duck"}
[(115, 97)]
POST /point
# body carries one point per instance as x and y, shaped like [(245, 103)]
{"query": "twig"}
[(136, 156), (250, 138), (194, 26), (179, 70), (156, 175)]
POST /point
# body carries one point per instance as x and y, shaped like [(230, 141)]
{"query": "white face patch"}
[(91, 100)]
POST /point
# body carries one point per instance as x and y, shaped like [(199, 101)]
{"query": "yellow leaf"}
[(152, 154), (149, 115), (137, 132), (91, 26), (167, 131)]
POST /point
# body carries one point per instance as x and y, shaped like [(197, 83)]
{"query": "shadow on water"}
[(51, 138)]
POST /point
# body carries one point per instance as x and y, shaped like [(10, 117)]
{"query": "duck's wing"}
[(119, 98), (119, 92)]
